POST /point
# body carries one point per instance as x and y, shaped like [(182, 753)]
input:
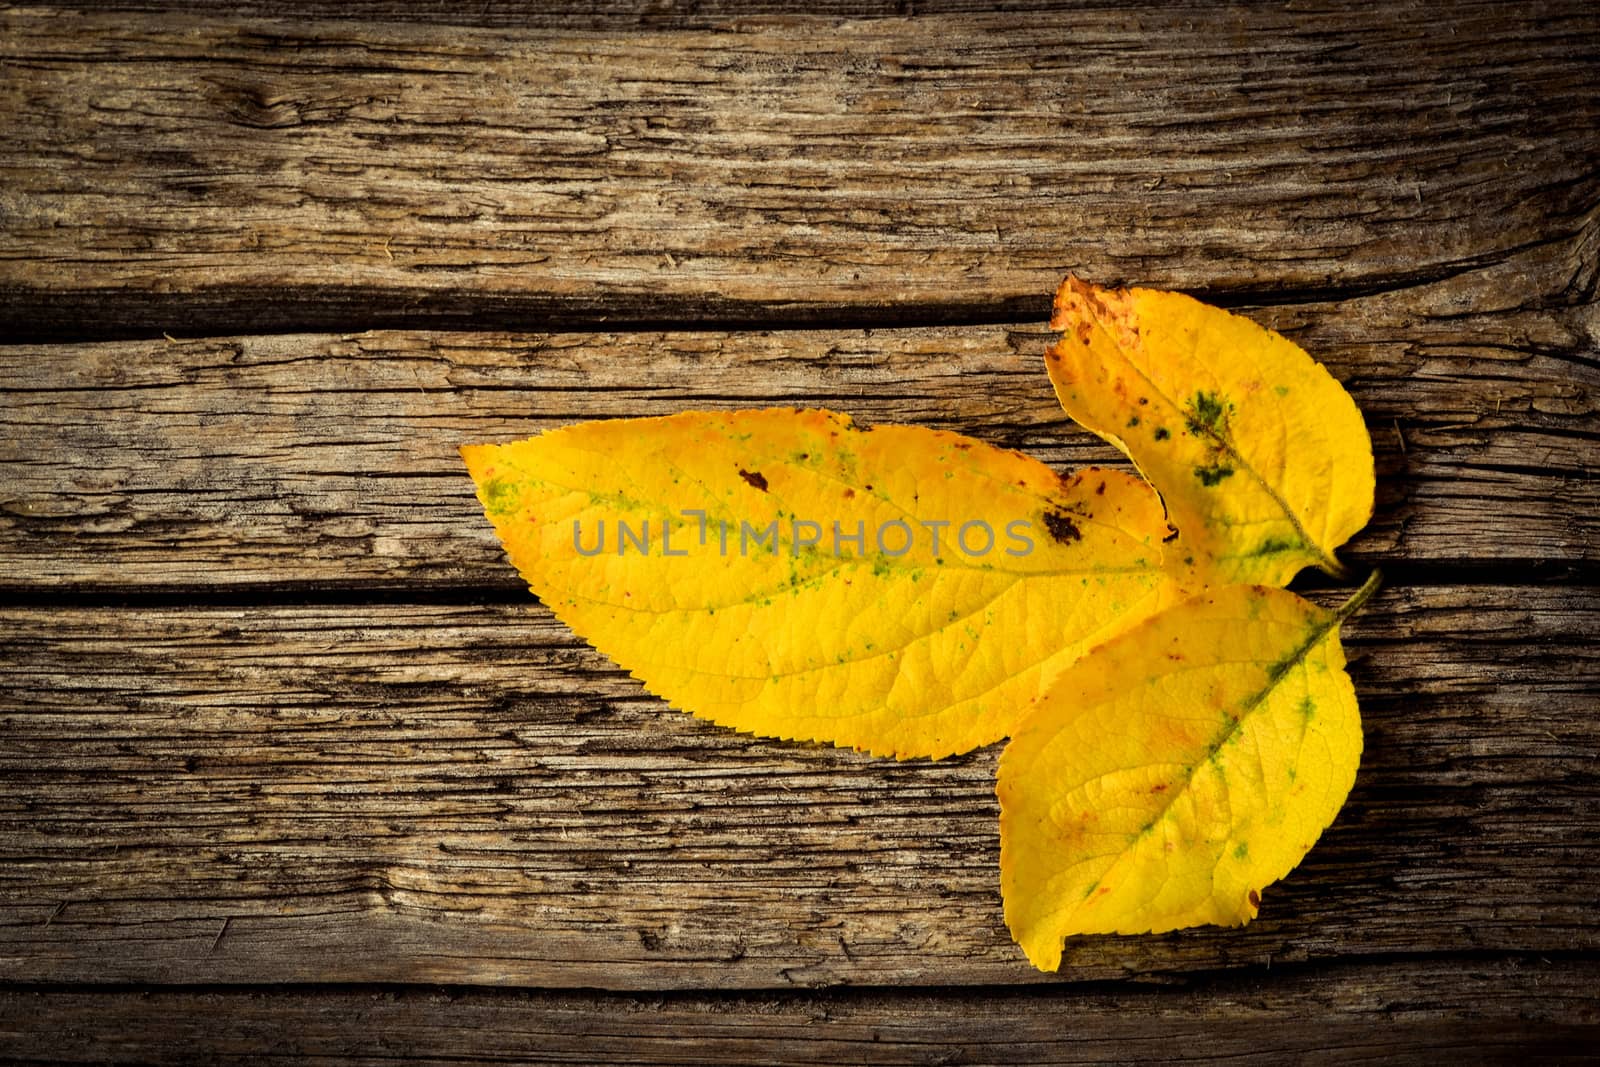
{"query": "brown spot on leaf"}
[(1100, 490), (1061, 527), (755, 478), (848, 493), (1255, 899)]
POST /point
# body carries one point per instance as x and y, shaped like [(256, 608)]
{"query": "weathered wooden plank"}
[(272, 462), (209, 174), (1477, 1011), (603, 14), (464, 794)]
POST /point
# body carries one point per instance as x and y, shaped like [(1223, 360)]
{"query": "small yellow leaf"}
[(1261, 456), (1173, 773), (778, 571)]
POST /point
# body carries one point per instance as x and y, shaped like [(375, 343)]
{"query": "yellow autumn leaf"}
[(1260, 454), (898, 590), (1173, 773)]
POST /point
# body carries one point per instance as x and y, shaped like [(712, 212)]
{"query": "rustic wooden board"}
[(465, 794), (1480, 1011), (204, 174), (621, 15), (268, 463), (277, 723)]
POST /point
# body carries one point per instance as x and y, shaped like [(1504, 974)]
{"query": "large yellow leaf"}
[(894, 650), (1173, 773), (1261, 456)]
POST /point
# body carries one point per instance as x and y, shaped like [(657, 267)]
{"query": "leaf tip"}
[(475, 456), (1073, 297), (1046, 958)]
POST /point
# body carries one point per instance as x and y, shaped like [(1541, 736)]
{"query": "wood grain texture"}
[(205, 174), (465, 794), (1475, 1012), (290, 767), (274, 463), (613, 15)]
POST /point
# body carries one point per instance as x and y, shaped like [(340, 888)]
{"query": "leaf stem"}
[(1329, 563), (1361, 596)]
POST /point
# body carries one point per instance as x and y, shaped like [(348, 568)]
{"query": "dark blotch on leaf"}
[(755, 478), (1061, 527), (1272, 546), (1133, 422), (499, 496), (1277, 670), (1161, 433), (1208, 413), (1213, 474)]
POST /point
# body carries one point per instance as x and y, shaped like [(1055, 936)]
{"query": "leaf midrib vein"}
[(1016, 580)]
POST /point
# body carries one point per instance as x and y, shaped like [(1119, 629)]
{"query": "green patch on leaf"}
[(499, 496), (1208, 414), (1274, 545)]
